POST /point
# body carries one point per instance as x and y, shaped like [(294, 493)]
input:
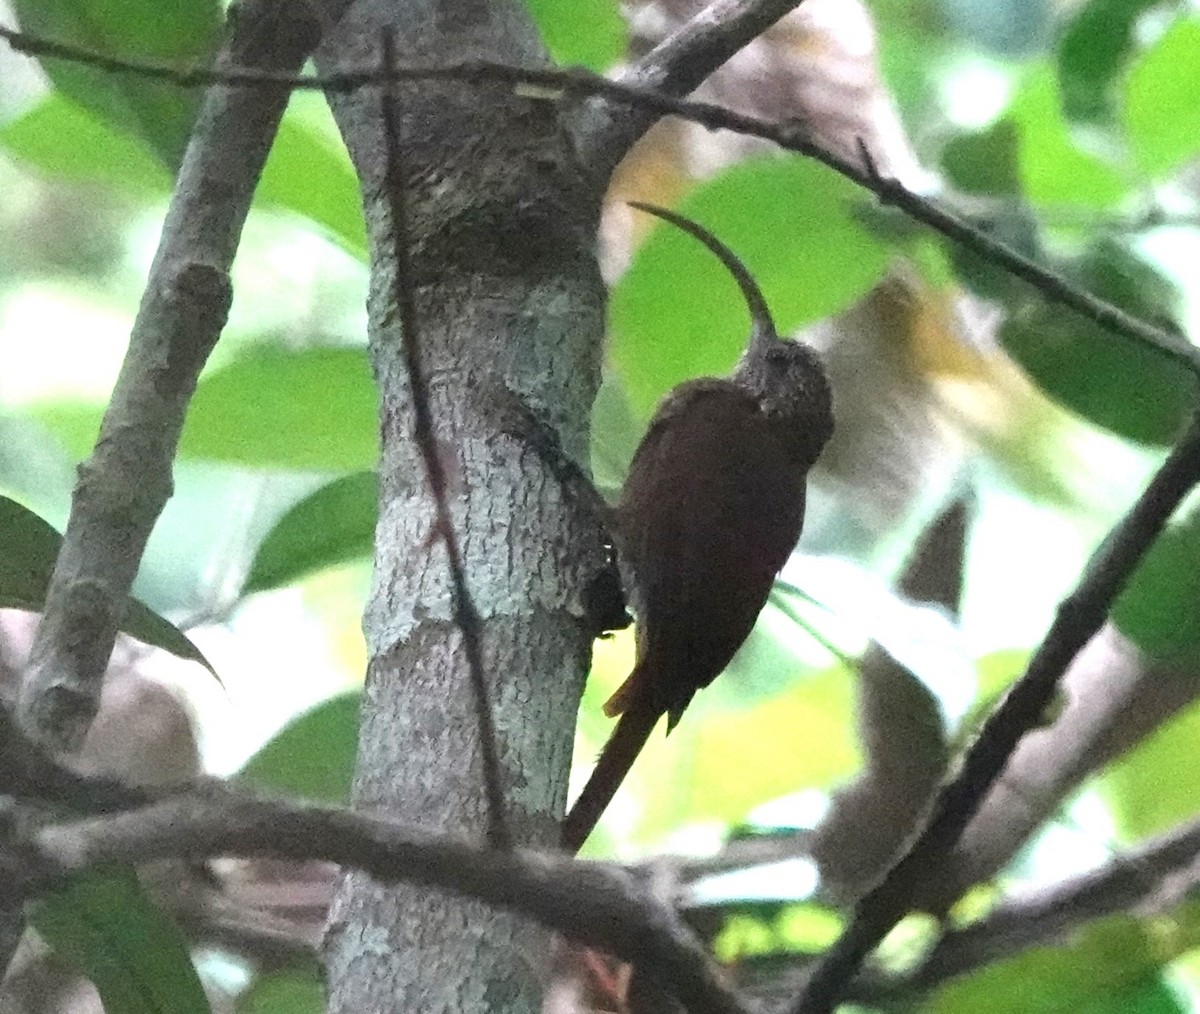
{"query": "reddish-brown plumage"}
[(710, 511)]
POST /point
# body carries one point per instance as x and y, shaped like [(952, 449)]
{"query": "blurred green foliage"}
[(1092, 51), (159, 116), (1053, 167), (28, 550), (104, 923), (264, 410), (590, 33), (313, 757), (1110, 967), (1116, 383), (1089, 147), (1162, 117), (1149, 789), (286, 992), (334, 525)]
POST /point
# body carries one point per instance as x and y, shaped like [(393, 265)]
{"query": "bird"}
[(711, 509)]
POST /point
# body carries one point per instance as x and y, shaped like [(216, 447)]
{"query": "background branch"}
[(597, 904), (123, 486), (1143, 881), (1115, 697), (29, 772), (1079, 618), (676, 66), (1140, 880), (1149, 878)]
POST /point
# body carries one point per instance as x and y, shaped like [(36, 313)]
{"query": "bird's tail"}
[(617, 757)]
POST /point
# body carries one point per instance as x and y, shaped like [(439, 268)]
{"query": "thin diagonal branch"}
[(466, 616), (561, 84), (599, 905), (1079, 618), (1157, 871), (1152, 878), (674, 67)]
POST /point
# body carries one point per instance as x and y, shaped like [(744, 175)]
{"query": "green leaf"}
[(1108, 967), (677, 314), (1156, 786), (1114, 381), (28, 550), (985, 162), (1162, 100), (75, 424), (590, 33), (333, 525), (1054, 170), (159, 115), (136, 957), (288, 992), (1160, 610), (720, 763), (59, 138), (744, 937), (1093, 51), (308, 172), (313, 755), (997, 671), (313, 409), (147, 626)]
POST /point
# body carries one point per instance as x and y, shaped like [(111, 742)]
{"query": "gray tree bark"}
[(502, 222)]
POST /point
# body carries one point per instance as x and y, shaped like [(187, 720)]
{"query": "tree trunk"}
[(508, 298)]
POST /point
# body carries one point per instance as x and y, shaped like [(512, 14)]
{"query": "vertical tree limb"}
[(500, 220), (123, 486), (465, 613)]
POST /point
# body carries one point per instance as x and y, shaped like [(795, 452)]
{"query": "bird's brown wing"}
[(711, 509)]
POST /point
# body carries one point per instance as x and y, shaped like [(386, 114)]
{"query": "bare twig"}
[(599, 905), (1049, 283), (559, 84), (124, 485), (31, 774), (466, 616), (1079, 618), (674, 67)]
